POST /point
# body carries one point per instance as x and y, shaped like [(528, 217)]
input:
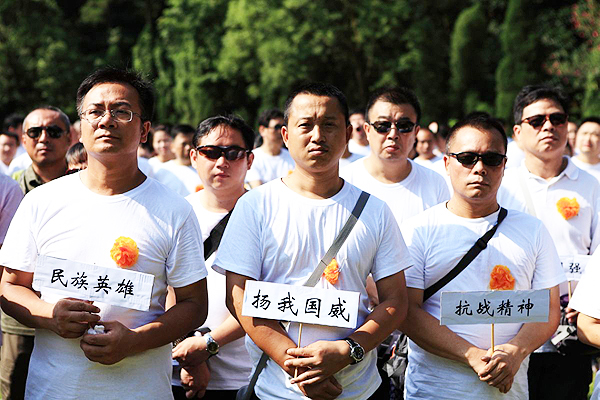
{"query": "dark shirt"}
[(28, 179)]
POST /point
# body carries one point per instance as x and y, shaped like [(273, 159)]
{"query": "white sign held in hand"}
[(495, 307), (301, 304)]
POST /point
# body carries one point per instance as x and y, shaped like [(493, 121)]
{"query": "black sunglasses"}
[(538, 120), (470, 158), (403, 126), (231, 153), (53, 131)]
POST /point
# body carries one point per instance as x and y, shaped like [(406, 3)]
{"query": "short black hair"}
[(76, 154), (117, 75), (394, 95), (11, 135), (317, 89), (595, 120), (481, 121), (357, 111), (232, 121), (12, 121), (267, 115), (63, 117), (182, 128), (532, 93), (162, 127)]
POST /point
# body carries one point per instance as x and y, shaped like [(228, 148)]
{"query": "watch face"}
[(358, 353), (212, 347)]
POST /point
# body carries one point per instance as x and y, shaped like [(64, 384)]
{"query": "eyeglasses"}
[(231, 153), (538, 120), (52, 131), (470, 158), (95, 115), (403, 126)]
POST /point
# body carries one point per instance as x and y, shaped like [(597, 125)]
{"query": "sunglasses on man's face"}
[(403, 126), (470, 158), (53, 131), (556, 119), (231, 153)]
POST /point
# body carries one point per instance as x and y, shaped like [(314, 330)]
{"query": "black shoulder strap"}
[(211, 244), (479, 245)]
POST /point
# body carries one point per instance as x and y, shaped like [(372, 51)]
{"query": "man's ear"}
[(284, 134), (145, 129), (348, 132), (516, 132)]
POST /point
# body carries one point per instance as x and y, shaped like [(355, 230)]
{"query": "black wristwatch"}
[(211, 345), (357, 353)]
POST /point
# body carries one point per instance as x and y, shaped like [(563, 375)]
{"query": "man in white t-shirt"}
[(178, 174), (588, 146), (108, 215), (9, 143), (222, 156), (566, 199), (408, 188), (358, 143), (454, 361), (271, 159), (425, 146), (280, 231)]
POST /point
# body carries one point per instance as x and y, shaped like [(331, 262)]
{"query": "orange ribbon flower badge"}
[(501, 278), (332, 272), (568, 208), (125, 252)]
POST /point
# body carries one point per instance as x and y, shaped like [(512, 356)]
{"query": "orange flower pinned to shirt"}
[(501, 278), (568, 208), (125, 252), (332, 272), (199, 187)]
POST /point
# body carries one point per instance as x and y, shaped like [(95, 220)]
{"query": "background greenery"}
[(214, 56)]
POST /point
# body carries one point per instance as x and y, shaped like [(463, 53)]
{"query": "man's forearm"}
[(382, 321), (24, 305), (186, 315)]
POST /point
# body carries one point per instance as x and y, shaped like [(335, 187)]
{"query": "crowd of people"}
[(180, 219)]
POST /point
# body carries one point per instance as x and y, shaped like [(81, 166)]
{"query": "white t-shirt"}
[(64, 219), (230, 369), (514, 154), (357, 148), (145, 167), (428, 163), (577, 235), (20, 162), (277, 235), (521, 243), (182, 179), (421, 189), (344, 162), (592, 169), (10, 197), (266, 167)]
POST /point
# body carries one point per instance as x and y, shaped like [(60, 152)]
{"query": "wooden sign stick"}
[(299, 338), (570, 289), (492, 338)]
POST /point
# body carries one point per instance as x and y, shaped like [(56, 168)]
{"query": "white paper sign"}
[(301, 304), (495, 307), (574, 265), (114, 286)]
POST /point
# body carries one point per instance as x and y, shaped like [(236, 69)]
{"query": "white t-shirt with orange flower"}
[(64, 219), (266, 167), (521, 243), (277, 235)]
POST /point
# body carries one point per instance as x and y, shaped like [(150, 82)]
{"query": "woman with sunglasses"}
[(216, 359)]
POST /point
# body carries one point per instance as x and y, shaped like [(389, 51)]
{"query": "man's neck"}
[(588, 158), (113, 176), (314, 185), (272, 149), (163, 158), (362, 141), (50, 172), (545, 168), (220, 201), (465, 209), (183, 162), (425, 157), (388, 171)]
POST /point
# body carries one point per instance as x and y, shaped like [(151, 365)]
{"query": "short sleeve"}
[(548, 271), (240, 249), (392, 256), (415, 277), (185, 263), (11, 198), (19, 250), (585, 299)]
